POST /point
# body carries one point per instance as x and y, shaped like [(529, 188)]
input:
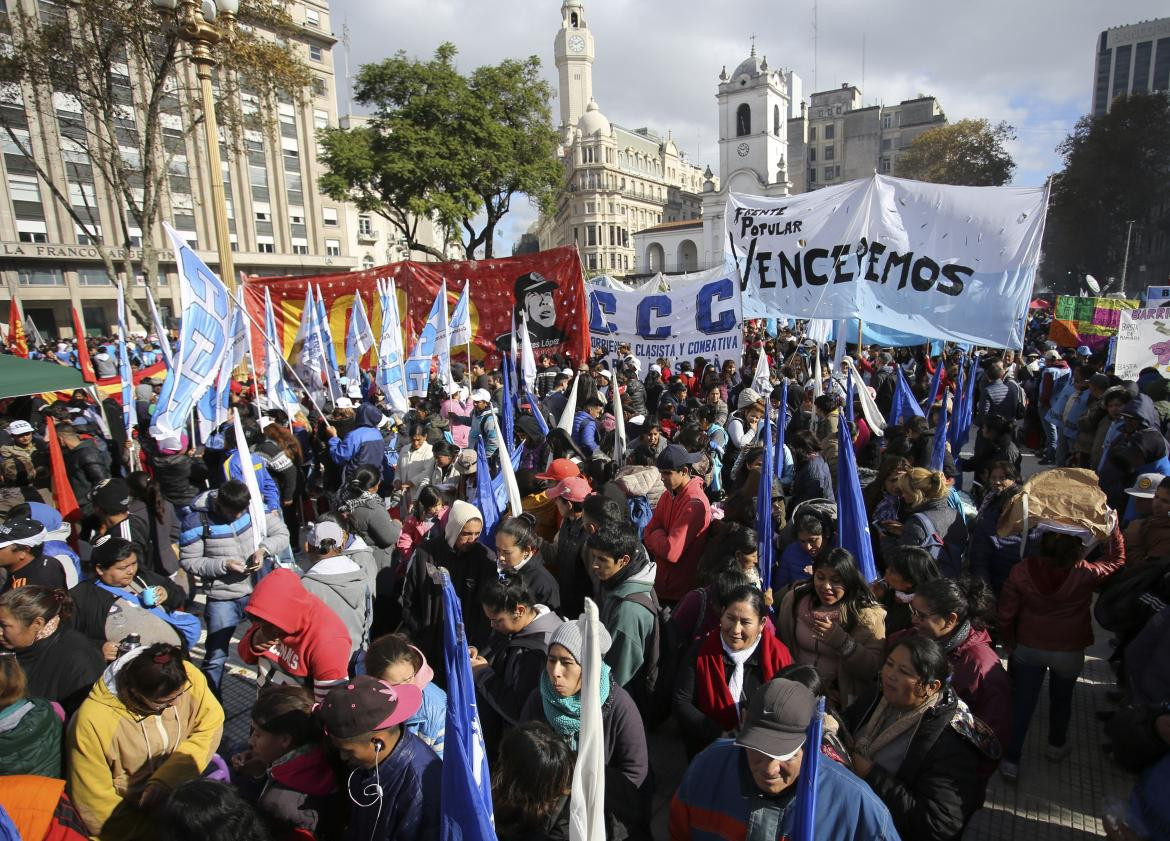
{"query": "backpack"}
[(1131, 597), (949, 559), (652, 686)]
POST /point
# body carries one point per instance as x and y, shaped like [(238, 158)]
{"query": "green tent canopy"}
[(19, 377)]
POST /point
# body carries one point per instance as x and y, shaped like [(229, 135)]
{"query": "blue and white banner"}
[(358, 340), (460, 325), (308, 357), (277, 394), (954, 263), (676, 317), (204, 336), (431, 343), (124, 369), (325, 330), (391, 362)]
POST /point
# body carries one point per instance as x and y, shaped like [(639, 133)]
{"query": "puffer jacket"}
[(368, 518), (641, 481), (207, 542), (115, 752), (175, 474), (87, 464), (634, 398), (586, 432), (344, 587), (364, 446), (30, 739), (268, 486)]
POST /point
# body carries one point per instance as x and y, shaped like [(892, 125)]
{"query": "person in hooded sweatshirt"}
[(341, 583), (57, 532), (149, 724), (301, 639), (394, 788), (454, 545), (518, 554), (508, 668), (629, 605), (1139, 447), (362, 446), (677, 532)]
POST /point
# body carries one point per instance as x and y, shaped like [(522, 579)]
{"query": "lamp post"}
[(195, 24)]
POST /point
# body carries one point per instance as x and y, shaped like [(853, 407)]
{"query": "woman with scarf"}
[(558, 702), (366, 515), (453, 544), (59, 663), (833, 623), (917, 745), (956, 614), (720, 672), (393, 660)]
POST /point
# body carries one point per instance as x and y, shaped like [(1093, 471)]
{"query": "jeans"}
[(1050, 434), (1028, 667), (222, 618)]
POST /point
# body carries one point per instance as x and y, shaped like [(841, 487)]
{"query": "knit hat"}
[(748, 397), (112, 496), (365, 705), (571, 635), (21, 531)]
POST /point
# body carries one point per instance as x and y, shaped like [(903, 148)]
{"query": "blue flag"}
[(330, 351), (935, 382), (964, 409), (466, 806), (485, 497), (905, 404), (849, 398), (852, 521), (764, 505), (537, 414), (508, 410), (124, 370), (781, 430), (938, 454), (804, 827)]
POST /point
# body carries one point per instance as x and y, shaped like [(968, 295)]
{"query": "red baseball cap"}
[(572, 489), (560, 468)]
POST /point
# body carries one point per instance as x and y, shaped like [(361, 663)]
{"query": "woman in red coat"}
[(1044, 620)]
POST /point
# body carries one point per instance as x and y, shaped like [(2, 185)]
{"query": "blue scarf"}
[(186, 624), (564, 714)]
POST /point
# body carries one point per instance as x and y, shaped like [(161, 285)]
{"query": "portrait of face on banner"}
[(547, 287)]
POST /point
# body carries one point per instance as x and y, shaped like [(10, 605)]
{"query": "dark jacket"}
[(300, 792), (86, 464), (634, 398), (280, 467), (368, 519), (1130, 452), (540, 583), (177, 476), (948, 526), (937, 787), (30, 739), (992, 557), (572, 575), (91, 603), (62, 667), (410, 779), (812, 480), (363, 446), (515, 664)]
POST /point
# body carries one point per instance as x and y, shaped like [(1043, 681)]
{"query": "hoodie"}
[(114, 752), (629, 622), (344, 587), (363, 446), (676, 537), (57, 532), (315, 648), (299, 791), (1132, 453), (515, 664)]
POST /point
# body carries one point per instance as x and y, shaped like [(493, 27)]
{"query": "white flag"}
[(566, 420), (587, 802), (762, 379), (460, 326), (358, 340), (527, 358), (164, 343), (510, 484), (259, 530), (818, 389), (619, 420), (443, 342)]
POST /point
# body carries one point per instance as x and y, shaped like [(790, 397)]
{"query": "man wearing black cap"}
[(748, 785), (534, 300), (394, 788), (112, 509)]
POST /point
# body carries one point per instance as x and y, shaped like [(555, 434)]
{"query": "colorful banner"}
[(1143, 341), (112, 386), (548, 286), (676, 317), (954, 263), (1087, 321)]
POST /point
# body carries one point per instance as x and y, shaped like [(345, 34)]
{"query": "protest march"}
[(464, 543)]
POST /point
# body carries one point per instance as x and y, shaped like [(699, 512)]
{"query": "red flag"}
[(17, 343), (63, 494), (82, 350)]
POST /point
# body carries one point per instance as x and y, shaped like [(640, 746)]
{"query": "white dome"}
[(593, 121), (752, 66)]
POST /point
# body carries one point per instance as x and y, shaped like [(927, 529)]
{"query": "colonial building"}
[(617, 180)]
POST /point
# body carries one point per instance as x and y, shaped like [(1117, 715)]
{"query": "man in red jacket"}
[(676, 535), (300, 637)]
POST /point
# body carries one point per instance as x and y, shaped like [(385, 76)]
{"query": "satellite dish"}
[(1093, 285)]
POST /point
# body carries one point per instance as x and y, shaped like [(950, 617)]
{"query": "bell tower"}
[(573, 49), (754, 102)]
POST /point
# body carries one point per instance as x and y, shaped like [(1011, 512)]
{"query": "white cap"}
[(19, 427), (265, 422), (568, 372), (603, 372), (343, 403), (481, 395), (354, 391)]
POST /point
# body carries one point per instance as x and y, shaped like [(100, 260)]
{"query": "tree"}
[(1116, 169), (446, 147), (124, 90), (969, 152)]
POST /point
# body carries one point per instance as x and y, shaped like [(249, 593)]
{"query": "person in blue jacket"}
[(232, 470), (751, 782), (363, 446), (586, 433)]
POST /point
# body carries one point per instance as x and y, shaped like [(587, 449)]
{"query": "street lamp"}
[(195, 24)]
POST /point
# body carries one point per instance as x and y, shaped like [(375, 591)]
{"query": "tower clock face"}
[(743, 150), (576, 44)]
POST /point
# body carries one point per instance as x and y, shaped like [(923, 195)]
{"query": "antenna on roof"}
[(863, 69), (348, 79), (814, 79)]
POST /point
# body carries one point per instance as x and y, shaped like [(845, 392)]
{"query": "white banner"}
[(1143, 341), (675, 317), (946, 262)]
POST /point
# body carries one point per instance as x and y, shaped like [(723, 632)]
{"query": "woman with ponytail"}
[(956, 615), (929, 521), (366, 515), (518, 554), (59, 663)]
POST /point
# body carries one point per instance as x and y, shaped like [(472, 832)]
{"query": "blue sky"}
[(1029, 62)]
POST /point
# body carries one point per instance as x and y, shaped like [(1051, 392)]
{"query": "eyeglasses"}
[(158, 706), (915, 613)]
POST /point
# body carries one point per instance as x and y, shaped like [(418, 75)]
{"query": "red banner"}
[(548, 286)]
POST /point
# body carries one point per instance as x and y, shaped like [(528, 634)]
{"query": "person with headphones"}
[(395, 784)]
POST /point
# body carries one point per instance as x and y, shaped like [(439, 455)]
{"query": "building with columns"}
[(617, 180)]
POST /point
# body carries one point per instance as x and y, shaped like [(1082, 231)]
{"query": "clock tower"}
[(573, 49), (755, 103)]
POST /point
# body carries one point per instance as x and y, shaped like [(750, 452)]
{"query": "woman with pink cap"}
[(393, 660)]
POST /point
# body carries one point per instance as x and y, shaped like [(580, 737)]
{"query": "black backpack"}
[(652, 686)]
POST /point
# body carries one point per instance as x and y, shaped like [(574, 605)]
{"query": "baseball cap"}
[(325, 530), (1145, 485), (22, 531), (1083, 350), (572, 489), (264, 422), (112, 496), (676, 456), (481, 395), (532, 282), (560, 468), (343, 403), (1051, 356), (19, 427), (604, 373), (366, 704), (776, 719)]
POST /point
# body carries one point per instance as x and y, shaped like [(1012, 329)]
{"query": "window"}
[(365, 225), (262, 210), (333, 248), (592, 262), (32, 236), (257, 175), (23, 188), (743, 120), (320, 118), (812, 154), (312, 18), (329, 217), (300, 249), (830, 152), (265, 244), (812, 132), (41, 277), (884, 166), (296, 214), (93, 277), (887, 121), (812, 175), (886, 142), (776, 120), (367, 262), (318, 86), (315, 53), (828, 173), (830, 131), (591, 235)]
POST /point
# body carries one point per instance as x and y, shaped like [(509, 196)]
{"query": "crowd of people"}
[(117, 626)]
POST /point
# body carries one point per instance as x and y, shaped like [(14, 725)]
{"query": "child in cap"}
[(395, 783)]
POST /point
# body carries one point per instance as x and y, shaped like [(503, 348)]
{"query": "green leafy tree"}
[(1116, 169), (969, 152), (446, 147)]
